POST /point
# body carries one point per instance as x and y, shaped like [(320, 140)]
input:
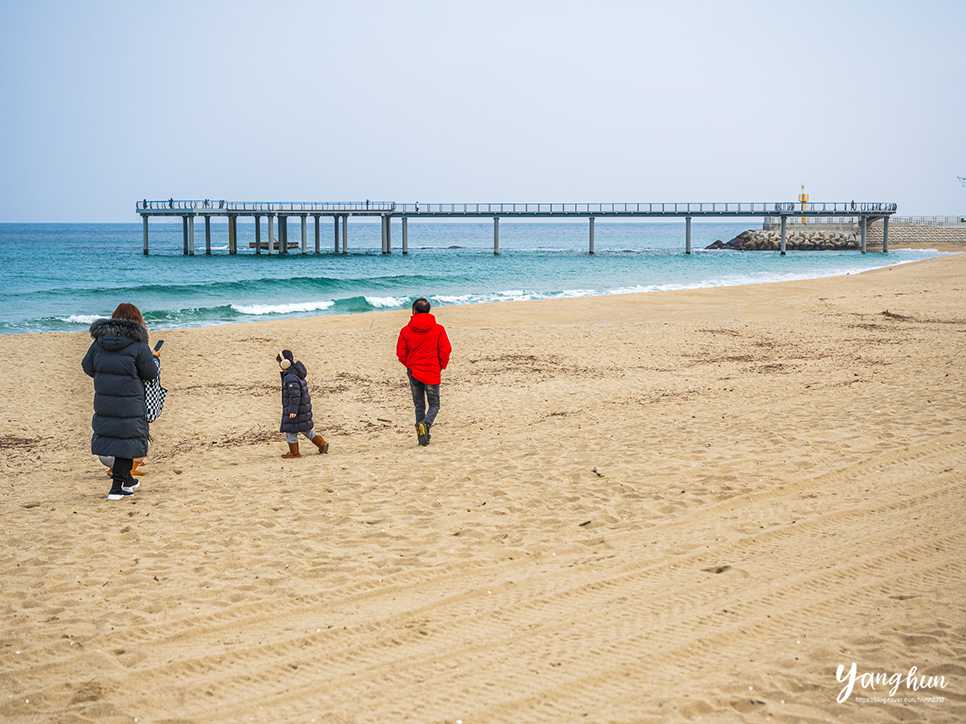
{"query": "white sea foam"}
[(524, 295), (640, 289), (259, 309), (515, 295), (577, 293), (87, 319), (388, 301), (455, 299)]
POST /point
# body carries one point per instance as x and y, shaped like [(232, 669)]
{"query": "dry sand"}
[(674, 506)]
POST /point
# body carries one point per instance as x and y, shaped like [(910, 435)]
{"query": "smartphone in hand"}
[(158, 345)]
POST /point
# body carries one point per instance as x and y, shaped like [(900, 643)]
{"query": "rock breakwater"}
[(759, 240)]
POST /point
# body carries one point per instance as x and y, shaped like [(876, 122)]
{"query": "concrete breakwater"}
[(762, 240), (901, 233)]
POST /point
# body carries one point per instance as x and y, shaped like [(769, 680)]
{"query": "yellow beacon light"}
[(803, 199)]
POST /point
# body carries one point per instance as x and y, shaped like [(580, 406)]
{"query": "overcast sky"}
[(106, 103)]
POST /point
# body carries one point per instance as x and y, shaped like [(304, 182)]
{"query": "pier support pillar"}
[(184, 235), (405, 235), (784, 219), (316, 233), (208, 235), (144, 219), (282, 234), (335, 220), (388, 235), (258, 234), (862, 224), (191, 235), (382, 233), (345, 233), (496, 236), (271, 232), (591, 235), (232, 235), (885, 235), (687, 234), (304, 237)]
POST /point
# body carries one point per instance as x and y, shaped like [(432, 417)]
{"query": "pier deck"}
[(862, 212)]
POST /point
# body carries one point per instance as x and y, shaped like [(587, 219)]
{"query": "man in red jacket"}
[(424, 349)]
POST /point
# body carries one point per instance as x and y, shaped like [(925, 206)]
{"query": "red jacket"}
[(424, 348)]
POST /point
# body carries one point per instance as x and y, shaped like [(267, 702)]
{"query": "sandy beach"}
[(675, 506)]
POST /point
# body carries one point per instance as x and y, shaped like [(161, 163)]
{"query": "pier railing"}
[(267, 207), (815, 220), (929, 220), (716, 208), (217, 207), (794, 220)]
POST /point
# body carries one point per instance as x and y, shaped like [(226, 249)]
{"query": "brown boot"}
[(293, 451), (321, 444)]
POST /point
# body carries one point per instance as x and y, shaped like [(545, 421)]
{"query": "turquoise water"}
[(60, 277)]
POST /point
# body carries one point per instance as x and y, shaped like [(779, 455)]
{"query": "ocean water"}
[(60, 277)]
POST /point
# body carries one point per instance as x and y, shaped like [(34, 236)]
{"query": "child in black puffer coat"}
[(296, 406)]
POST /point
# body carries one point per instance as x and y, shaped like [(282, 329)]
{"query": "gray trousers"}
[(423, 394), (293, 437)]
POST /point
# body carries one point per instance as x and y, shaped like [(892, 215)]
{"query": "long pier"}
[(189, 210)]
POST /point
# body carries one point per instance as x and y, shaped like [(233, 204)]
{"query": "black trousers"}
[(121, 473), (423, 394)]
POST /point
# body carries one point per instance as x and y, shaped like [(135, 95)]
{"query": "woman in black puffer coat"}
[(120, 361)]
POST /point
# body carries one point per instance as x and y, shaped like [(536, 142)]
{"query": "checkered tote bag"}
[(154, 398)]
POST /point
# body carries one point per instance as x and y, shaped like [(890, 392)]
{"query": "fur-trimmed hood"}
[(118, 333)]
